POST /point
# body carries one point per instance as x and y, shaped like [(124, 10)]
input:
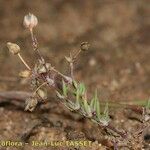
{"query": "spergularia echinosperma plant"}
[(70, 92)]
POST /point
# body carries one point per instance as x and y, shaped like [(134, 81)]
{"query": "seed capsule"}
[(42, 94), (30, 21), (84, 46), (13, 48), (31, 103), (25, 74)]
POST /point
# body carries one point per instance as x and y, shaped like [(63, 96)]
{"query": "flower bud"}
[(30, 21), (84, 46), (13, 48)]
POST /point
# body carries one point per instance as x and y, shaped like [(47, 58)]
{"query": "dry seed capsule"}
[(13, 48), (84, 46), (30, 21), (42, 94), (25, 74), (31, 103)]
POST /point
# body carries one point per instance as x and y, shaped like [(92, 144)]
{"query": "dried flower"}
[(13, 48), (42, 68), (84, 46), (68, 59), (31, 103), (30, 21)]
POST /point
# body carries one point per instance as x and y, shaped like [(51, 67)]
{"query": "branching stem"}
[(71, 67), (40, 87), (23, 61)]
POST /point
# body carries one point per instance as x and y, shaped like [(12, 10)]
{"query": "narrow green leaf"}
[(106, 111), (77, 105), (104, 120), (85, 104), (105, 116), (82, 88), (75, 84), (77, 94), (98, 109), (77, 99), (92, 103), (87, 108), (148, 104), (96, 105), (64, 89)]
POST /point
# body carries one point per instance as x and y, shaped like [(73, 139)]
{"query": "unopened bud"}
[(84, 46), (13, 48), (25, 74), (30, 21)]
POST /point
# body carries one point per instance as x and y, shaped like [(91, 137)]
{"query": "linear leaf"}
[(98, 109), (92, 103), (148, 104), (82, 88), (64, 89), (87, 108), (75, 84), (106, 111)]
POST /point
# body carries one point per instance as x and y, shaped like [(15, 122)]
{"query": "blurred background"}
[(118, 32)]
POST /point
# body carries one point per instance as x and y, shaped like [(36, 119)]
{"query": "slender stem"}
[(76, 55), (71, 67), (35, 47), (58, 72), (123, 135), (71, 71), (23, 61), (40, 87), (35, 43), (32, 36), (73, 58)]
